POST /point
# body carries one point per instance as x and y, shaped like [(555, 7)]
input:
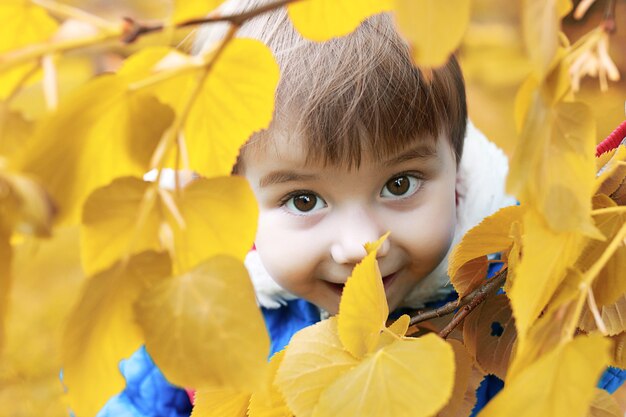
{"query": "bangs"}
[(359, 94)]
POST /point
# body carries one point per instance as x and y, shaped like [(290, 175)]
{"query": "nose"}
[(355, 228)]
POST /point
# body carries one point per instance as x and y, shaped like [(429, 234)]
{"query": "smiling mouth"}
[(338, 288)]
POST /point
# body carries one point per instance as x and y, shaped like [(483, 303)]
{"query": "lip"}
[(338, 288)]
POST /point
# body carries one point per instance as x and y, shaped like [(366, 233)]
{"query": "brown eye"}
[(304, 203), (401, 186)]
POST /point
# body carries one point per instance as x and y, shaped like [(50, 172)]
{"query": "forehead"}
[(289, 149)]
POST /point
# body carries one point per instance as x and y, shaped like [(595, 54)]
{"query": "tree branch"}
[(467, 304), (134, 29), (481, 295), (609, 17)]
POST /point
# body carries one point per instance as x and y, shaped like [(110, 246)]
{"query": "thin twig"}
[(492, 286), (450, 307), (135, 29), (609, 17)]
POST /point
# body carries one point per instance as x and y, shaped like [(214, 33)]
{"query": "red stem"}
[(613, 140)]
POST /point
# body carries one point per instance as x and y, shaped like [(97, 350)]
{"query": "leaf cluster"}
[(161, 255)]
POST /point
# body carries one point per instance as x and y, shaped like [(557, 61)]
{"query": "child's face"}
[(314, 220)]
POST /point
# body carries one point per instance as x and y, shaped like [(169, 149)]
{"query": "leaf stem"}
[(66, 11), (32, 52), (609, 17)]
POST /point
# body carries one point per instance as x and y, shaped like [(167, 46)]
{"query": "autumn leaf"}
[(489, 335), (554, 168), (25, 207), (540, 271), (220, 402), (5, 282), (568, 377), (462, 378), (551, 328), (433, 28), (15, 15), (110, 230), (397, 330), (612, 315), (393, 380), (101, 330), (612, 175), (220, 217), (619, 351), (236, 97), (541, 23), (609, 284), (313, 360), (321, 20), (15, 130), (188, 9), (363, 308), (213, 216), (489, 236), (102, 132), (470, 276), (195, 326), (269, 401), (604, 405), (46, 283)]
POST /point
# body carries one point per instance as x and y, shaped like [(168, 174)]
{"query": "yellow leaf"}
[(313, 360), (46, 282), (101, 330), (514, 255), (188, 9), (220, 402), (489, 334), (462, 379), (433, 28), (541, 22), (609, 284), (553, 168), (110, 229), (102, 132), (551, 328), (196, 326), (410, 374), (321, 20), (613, 173), (236, 98), (486, 238), (21, 24), (560, 384), (363, 308), (397, 329), (540, 271), (5, 282), (270, 403), (220, 216), (15, 130), (604, 405), (25, 207)]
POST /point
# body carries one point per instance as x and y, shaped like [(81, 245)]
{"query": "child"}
[(362, 142)]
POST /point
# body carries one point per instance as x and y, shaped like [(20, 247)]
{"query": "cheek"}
[(290, 256)]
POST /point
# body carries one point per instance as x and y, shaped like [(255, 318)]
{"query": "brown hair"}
[(357, 93)]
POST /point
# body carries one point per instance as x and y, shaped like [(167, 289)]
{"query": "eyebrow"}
[(281, 177), (422, 151)]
